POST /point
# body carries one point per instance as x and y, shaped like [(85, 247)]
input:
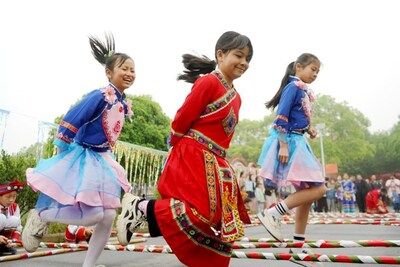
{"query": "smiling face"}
[(122, 76), (233, 63), (309, 72)]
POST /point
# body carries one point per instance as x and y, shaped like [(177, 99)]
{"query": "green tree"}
[(345, 135), (387, 146), (149, 126), (249, 138)]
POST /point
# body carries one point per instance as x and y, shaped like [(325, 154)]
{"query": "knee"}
[(321, 191), (109, 216)]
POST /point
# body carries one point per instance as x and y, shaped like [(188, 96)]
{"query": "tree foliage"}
[(149, 126)]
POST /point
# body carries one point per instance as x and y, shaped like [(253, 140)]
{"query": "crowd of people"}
[(350, 193), (345, 193)]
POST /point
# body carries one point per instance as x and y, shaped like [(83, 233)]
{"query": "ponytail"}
[(290, 71), (100, 50), (304, 59), (105, 54), (195, 66)]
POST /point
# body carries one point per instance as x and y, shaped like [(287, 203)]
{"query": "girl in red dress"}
[(201, 211)]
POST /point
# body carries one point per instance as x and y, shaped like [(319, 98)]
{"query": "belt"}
[(301, 132)]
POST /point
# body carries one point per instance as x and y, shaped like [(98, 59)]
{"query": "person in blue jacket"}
[(286, 158), (82, 184)]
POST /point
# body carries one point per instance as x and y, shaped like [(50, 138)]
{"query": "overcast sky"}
[(46, 63)]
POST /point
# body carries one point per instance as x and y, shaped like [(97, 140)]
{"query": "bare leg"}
[(303, 196), (301, 217)]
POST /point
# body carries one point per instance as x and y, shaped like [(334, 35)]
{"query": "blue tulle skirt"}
[(303, 169), (78, 175)]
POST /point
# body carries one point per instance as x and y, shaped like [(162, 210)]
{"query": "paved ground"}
[(315, 232)]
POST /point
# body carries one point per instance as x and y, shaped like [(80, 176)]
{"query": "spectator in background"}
[(260, 197), (348, 194), (76, 233), (10, 217), (393, 187), (374, 184), (375, 201), (339, 198), (250, 185), (270, 193), (330, 195), (322, 204), (362, 190)]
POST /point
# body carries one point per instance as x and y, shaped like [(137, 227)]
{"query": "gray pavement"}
[(314, 232)]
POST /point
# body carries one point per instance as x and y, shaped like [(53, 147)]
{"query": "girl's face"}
[(233, 63), (308, 73), (122, 76), (8, 199)]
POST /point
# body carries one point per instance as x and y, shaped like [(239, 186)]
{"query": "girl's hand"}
[(283, 155), (312, 133)]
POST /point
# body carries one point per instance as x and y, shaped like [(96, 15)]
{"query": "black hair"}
[(105, 54), (304, 60), (195, 66)]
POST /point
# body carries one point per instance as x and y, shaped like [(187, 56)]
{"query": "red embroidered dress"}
[(201, 212)]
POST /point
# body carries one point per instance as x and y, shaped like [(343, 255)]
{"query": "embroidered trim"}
[(219, 103), (112, 132), (208, 143), (105, 127), (69, 126), (222, 79), (65, 138), (202, 218), (279, 128), (232, 227), (229, 122), (196, 235), (307, 107), (281, 117), (209, 163)]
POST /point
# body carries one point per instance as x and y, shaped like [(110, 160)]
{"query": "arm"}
[(281, 122), (86, 110), (193, 106)]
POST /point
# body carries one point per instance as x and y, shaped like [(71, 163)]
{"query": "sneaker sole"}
[(121, 236), (25, 236), (264, 223)]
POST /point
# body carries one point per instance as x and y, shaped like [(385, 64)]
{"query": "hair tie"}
[(109, 54)]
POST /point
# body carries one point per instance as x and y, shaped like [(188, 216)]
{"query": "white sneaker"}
[(304, 263), (130, 219), (33, 231), (272, 225)]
